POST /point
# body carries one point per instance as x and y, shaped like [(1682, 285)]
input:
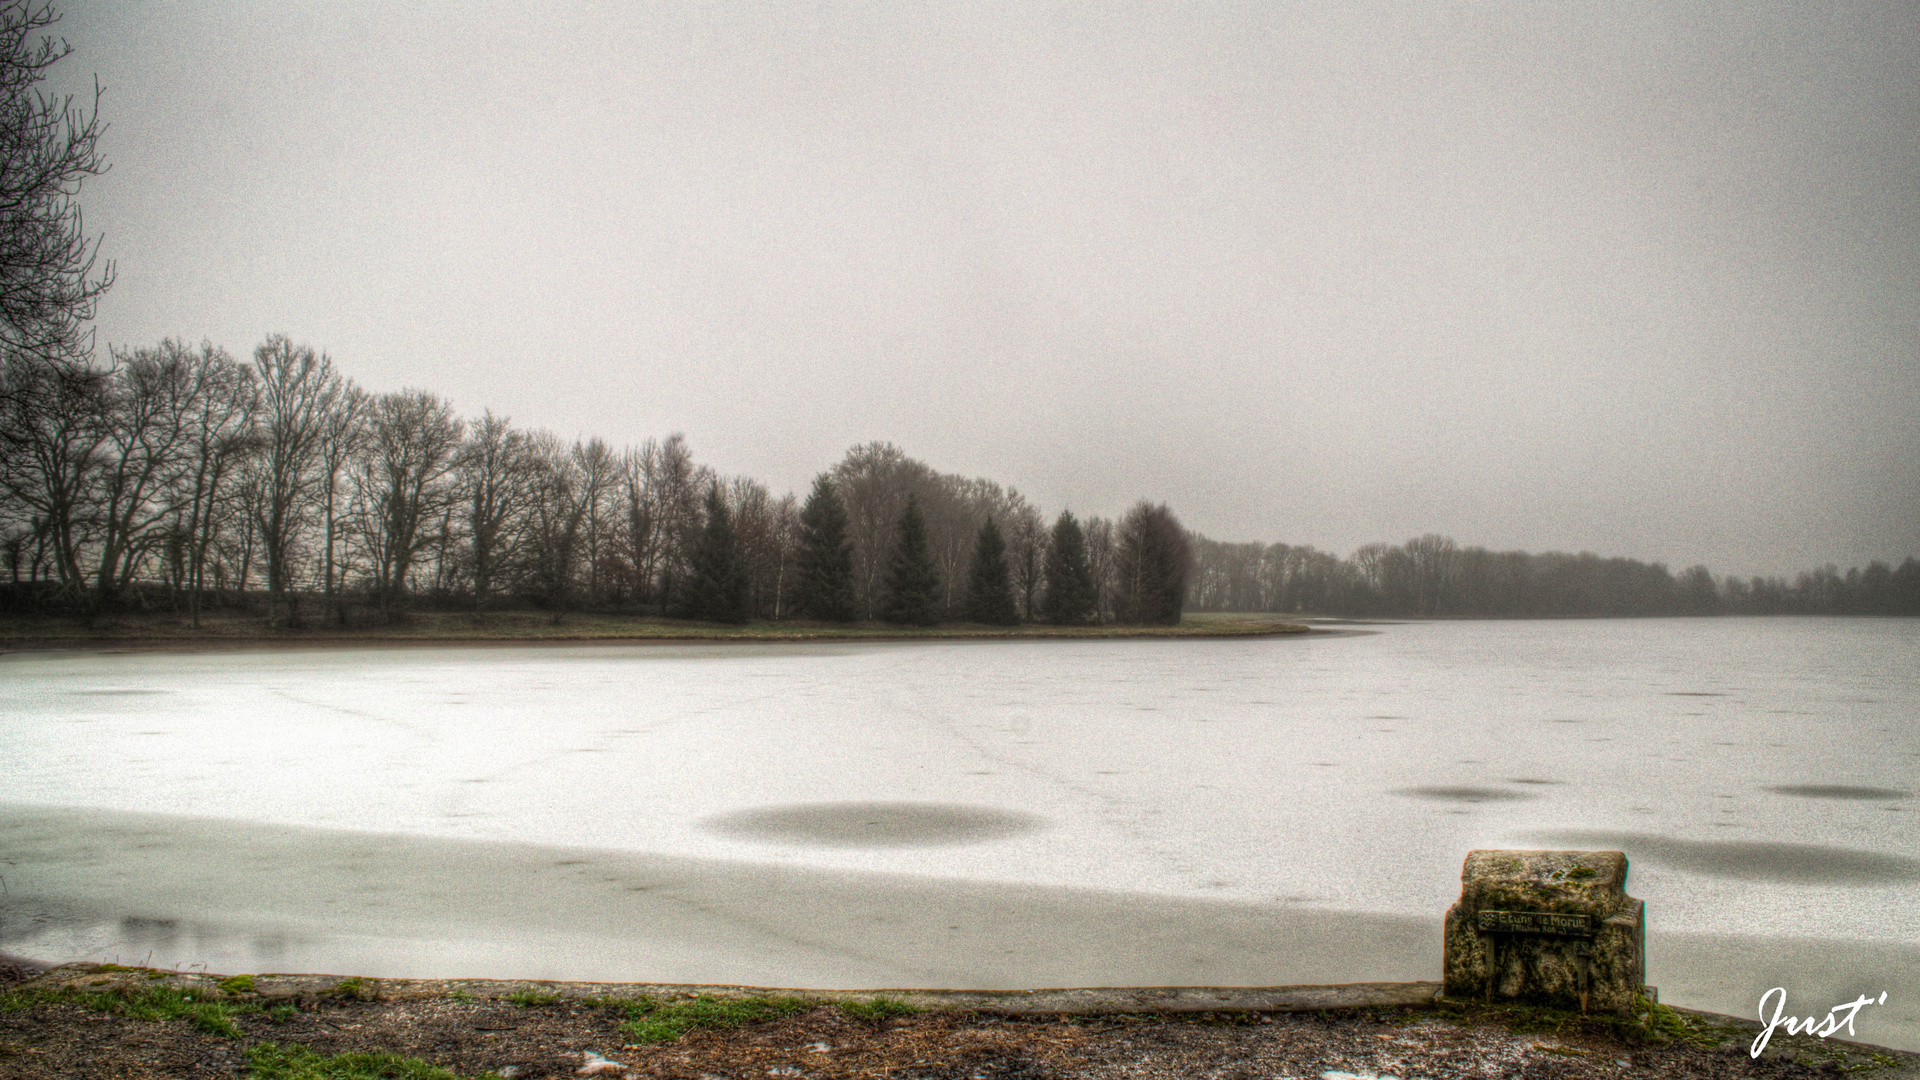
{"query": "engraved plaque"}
[(1550, 923)]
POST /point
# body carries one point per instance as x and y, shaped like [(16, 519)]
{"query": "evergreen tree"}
[(913, 584), (1070, 596), (826, 558), (989, 585), (716, 588)]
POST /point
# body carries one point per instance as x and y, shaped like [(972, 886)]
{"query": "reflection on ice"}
[(1795, 864), (874, 824), (1469, 794), (116, 693), (1838, 791)]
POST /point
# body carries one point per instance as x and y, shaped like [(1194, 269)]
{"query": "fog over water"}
[(1313, 797), (1631, 278)]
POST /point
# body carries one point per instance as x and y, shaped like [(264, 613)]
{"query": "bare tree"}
[(299, 390), (47, 149), (599, 473), (159, 398), (786, 538), (639, 532), (405, 483), (495, 469), (1100, 564), (445, 570), (15, 539), (1026, 555), (1370, 562), (221, 435), (240, 551), (1153, 558), (55, 422), (953, 514), (119, 466), (677, 518), (143, 424), (765, 531), (556, 516), (1435, 564), (343, 436)]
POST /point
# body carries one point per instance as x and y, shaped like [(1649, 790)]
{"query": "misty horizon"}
[(1638, 281)]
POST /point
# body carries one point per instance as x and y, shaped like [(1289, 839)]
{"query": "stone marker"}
[(1547, 927)]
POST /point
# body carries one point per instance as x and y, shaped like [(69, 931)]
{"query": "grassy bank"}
[(88, 1020), (166, 629)]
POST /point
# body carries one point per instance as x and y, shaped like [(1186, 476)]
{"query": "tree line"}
[(178, 475), (1432, 576)]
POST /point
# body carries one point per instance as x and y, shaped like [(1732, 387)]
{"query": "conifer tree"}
[(913, 583), (826, 558), (716, 588), (1070, 594), (989, 585)]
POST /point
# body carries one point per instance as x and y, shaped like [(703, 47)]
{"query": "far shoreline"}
[(167, 632)]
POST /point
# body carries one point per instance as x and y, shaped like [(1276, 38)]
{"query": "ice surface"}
[(1759, 773)]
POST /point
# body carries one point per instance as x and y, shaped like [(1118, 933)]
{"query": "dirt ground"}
[(523, 1031)]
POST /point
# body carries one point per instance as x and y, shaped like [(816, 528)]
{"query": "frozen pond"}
[(974, 813)]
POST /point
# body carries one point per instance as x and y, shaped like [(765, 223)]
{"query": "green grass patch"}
[(1661, 1023), (18, 1000), (237, 984), (877, 1009), (354, 989), (528, 997), (1649, 1024), (144, 1003), (270, 1061), (652, 1020)]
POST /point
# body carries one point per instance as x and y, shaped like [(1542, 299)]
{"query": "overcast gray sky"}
[(1636, 279)]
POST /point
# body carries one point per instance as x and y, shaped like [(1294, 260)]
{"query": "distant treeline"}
[(179, 477), (1431, 576)]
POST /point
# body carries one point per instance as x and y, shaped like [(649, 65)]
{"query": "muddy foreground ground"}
[(75, 1021)]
